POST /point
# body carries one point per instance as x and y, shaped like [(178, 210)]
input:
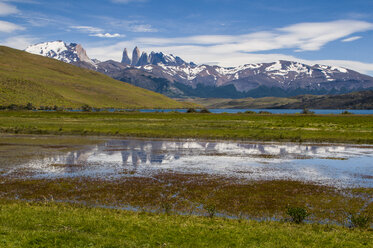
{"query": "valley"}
[(96, 153)]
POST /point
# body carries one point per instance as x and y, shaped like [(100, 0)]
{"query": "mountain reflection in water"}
[(342, 165)]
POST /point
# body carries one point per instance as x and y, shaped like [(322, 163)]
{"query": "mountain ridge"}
[(183, 79)]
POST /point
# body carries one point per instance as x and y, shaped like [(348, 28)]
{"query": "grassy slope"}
[(43, 81), (317, 128), (61, 225), (354, 100)]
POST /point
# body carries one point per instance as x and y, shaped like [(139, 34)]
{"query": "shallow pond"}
[(333, 165)]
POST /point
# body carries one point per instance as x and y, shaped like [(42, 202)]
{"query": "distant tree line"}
[(83, 108)]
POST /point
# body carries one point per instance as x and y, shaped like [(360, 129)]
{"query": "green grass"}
[(63, 225), (298, 128), (27, 78)]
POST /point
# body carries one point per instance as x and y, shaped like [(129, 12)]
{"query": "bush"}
[(359, 221), (265, 112), (166, 206), (191, 110), (297, 214), (346, 113), (307, 112), (250, 112), (86, 108), (205, 111), (29, 106), (211, 210)]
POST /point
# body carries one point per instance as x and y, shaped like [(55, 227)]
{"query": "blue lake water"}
[(234, 111), (273, 111)]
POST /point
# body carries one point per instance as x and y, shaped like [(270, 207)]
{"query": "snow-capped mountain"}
[(152, 59), (171, 75), (71, 53), (282, 74)]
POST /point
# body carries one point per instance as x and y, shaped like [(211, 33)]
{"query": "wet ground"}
[(336, 165), (253, 179)]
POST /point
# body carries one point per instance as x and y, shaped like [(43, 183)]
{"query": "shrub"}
[(211, 210), (346, 113), (307, 112), (265, 112), (29, 106), (250, 112), (205, 111), (166, 206), (86, 108), (191, 110), (297, 214), (359, 221)]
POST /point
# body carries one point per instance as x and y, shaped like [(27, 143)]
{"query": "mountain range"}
[(174, 77)]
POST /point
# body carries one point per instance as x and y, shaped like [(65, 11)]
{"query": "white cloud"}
[(201, 55), (300, 37), (142, 28), (107, 35), (19, 42), (7, 9), (88, 29), (231, 50), (96, 32), (8, 27), (130, 25), (352, 39)]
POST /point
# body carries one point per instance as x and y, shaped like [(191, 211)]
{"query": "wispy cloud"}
[(135, 26), (88, 29), (234, 50), (7, 9), (8, 27), (300, 37), (107, 35), (352, 39), (142, 28), (96, 32), (128, 1), (19, 42)]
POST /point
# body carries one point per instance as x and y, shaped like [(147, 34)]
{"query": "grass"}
[(27, 78), (64, 225), (296, 128), (190, 193)]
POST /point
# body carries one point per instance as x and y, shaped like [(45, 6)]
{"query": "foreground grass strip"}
[(299, 128), (61, 225)]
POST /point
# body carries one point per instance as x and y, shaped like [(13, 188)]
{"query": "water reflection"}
[(341, 165)]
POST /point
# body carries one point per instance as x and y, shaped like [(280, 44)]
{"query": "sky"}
[(216, 32)]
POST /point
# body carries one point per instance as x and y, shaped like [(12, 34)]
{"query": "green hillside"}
[(43, 81), (353, 100)]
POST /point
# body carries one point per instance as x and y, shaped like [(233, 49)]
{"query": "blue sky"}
[(223, 32)]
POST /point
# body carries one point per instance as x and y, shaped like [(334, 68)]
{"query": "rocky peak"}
[(144, 60), (135, 56), (154, 58), (125, 58)]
